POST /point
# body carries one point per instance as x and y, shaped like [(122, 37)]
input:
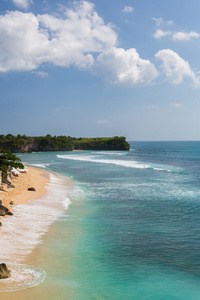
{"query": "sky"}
[(100, 68)]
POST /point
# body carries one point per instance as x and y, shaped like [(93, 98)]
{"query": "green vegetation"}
[(115, 143), (7, 160), (22, 143)]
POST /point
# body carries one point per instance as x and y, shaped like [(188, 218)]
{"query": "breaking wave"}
[(123, 163), (39, 165), (24, 230)]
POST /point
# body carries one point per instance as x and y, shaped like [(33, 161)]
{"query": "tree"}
[(7, 160), (10, 136)]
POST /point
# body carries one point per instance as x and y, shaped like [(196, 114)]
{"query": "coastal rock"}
[(31, 189), (4, 271), (9, 212), (4, 210)]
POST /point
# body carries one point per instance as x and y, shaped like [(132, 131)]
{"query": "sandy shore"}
[(34, 177), (37, 178)]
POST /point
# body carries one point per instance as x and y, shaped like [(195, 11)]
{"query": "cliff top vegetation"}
[(23, 143)]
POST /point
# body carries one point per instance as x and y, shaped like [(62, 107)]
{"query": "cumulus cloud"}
[(22, 3), (23, 45), (160, 33), (27, 40), (79, 36), (127, 9), (175, 68), (176, 36), (185, 36), (125, 67)]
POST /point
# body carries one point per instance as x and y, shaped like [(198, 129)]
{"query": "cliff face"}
[(61, 143), (30, 146), (20, 147)]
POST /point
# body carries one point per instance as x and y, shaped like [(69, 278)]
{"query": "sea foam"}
[(24, 230), (39, 165), (23, 277), (118, 162)]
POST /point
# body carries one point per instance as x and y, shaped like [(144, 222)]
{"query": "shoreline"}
[(33, 214), (33, 177)]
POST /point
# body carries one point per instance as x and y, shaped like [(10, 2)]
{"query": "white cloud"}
[(127, 9), (22, 3), (27, 40), (177, 36), (176, 68), (40, 73), (160, 33), (185, 36), (126, 68), (75, 38), (177, 105), (160, 21), (23, 45)]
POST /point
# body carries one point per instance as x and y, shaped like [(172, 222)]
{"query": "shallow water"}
[(132, 230)]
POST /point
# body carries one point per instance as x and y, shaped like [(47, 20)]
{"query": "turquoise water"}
[(133, 228)]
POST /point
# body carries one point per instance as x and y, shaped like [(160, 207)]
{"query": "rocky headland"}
[(24, 144)]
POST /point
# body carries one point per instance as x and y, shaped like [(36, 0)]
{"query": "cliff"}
[(24, 144)]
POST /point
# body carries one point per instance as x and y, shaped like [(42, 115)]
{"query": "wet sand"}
[(34, 177), (39, 179)]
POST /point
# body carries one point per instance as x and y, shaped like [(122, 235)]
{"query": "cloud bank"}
[(80, 37), (29, 41)]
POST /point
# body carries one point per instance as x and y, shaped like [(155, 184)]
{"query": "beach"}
[(33, 177), (130, 231), (23, 233)]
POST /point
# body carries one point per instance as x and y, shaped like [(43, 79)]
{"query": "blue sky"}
[(100, 68)]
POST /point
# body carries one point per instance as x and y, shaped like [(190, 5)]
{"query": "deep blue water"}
[(133, 228)]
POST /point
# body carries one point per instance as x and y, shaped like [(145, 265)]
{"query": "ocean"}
[(127, 228)]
